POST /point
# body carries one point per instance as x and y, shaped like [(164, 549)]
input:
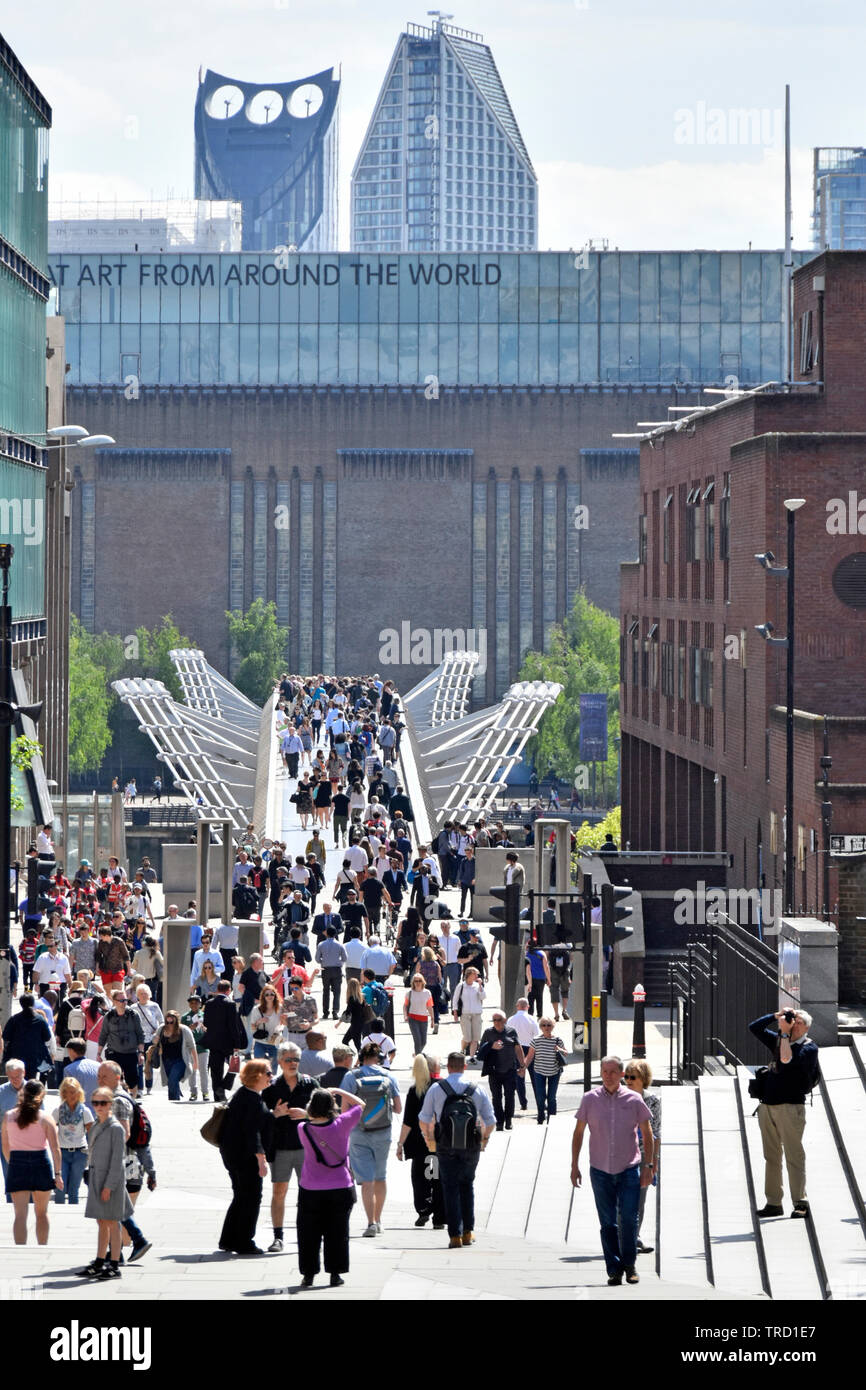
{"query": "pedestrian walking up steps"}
[(702, 1216)]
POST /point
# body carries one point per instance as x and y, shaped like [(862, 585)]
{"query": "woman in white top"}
[(151, 1018), (466, 1004), (382, 863), (418, 1011), (266, 1026)]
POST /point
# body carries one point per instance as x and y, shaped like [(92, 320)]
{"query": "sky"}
[(627, 107)]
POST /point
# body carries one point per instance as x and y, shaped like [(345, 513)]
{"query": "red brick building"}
[(703, 695)]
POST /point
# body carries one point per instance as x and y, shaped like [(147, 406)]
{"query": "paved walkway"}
[(536, 1238)]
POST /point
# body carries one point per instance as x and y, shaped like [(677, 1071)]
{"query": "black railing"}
[(726, 979)]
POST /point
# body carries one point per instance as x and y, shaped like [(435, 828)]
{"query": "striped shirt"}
[(545, 1054)]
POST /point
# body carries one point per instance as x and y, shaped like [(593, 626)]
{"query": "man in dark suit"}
[(424, 886), (224, 1035), (395, 885), (324, 919)]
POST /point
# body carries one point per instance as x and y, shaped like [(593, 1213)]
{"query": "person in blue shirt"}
[(369, 1148)]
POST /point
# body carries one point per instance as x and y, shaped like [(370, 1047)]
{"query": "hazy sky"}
[(623, 104)]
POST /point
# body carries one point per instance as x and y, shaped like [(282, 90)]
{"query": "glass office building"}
[(531, 319), (839, 199), (273, 148), (443, 166), (25, 119)]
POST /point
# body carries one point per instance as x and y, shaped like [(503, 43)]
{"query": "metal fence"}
[(726, 979)]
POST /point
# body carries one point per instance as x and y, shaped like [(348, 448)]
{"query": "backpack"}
[(140, 1128), (375, 1095), (458, 1124), (76, 1022), (559, 959), (380, 1000)]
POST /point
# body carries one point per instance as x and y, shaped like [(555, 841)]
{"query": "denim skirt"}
[(29, 1172)]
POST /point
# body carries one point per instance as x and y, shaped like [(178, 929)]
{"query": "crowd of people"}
[(326, 1109)]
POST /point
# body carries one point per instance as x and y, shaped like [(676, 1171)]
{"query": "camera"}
[(789, 1016)]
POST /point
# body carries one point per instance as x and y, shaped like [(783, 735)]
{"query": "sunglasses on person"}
[(96, 1103), (631, 1076)]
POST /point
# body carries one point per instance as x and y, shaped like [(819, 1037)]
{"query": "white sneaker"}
[(372, 1229), (378, 1228)]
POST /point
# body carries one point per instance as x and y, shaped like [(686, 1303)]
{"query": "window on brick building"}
[(807, 351), (653, 636), (707, 679), (667, 672), (666, 529), (693, 526), (725, 520), (642, 539), (681, 672), (635, 661), (695, 675), (801, 846), (709, 521), (644, 664), (774, 833)]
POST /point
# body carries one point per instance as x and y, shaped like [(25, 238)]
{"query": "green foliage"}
[(90, 699), (593, 836), (23, 751), (584, 659), (151, 654), (97, 659), (261, 645)]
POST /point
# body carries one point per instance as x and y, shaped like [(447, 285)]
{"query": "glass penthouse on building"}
[(527, 319)]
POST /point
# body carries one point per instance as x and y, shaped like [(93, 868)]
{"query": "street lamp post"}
[(792, 506)]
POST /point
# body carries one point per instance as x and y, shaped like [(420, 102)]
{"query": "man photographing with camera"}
[(782, 1089)]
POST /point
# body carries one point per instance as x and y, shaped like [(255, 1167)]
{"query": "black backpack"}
[(458, 1124), (560, 958)]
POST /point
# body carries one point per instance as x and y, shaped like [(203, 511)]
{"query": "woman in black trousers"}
[(357, 1014), (426, 1187), (243, 1141), (326, 1192)]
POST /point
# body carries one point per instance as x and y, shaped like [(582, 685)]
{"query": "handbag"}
[(234, 1064), (758, 1083), (212, 1128), (260, 1034)]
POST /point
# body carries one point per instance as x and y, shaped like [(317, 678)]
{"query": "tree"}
[(90, 700), (261, 646), (98, 658), (152, 653), (584, 659)]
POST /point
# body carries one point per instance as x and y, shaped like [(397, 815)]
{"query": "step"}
[(680, 1252), (835, 1222), (790, 1264), (733, 1246), (551, 1197), (847, 1096), (859, 1041), (510, 1208)]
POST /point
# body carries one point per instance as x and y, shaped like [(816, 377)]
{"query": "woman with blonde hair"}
[(107, 1198), (638, 1078), (426, 1187), (74, 1120)]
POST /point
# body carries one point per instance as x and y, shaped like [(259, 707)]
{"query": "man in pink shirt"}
[(614, 1115)]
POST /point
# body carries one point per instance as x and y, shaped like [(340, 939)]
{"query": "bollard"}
[(638, 1042)]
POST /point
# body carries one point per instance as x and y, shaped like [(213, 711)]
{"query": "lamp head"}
[(793, 504)]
